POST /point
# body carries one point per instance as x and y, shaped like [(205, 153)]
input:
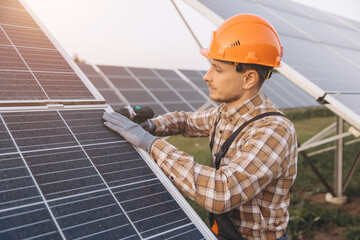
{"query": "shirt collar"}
[(242, 109)]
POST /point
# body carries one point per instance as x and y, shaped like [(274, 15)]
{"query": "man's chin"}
[(215, 99)]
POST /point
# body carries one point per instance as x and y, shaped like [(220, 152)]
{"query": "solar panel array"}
[(31, 67), (323, 48), (166, 90), (63, 174), (162, 89)]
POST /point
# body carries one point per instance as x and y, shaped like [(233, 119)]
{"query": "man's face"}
[(224, 82)]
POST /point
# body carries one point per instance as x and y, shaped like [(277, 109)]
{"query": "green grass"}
[(305, 218)]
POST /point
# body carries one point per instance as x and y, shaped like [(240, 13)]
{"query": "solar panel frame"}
[(59, 217)]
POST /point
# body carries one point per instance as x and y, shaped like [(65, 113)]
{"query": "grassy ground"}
[(310, 216)]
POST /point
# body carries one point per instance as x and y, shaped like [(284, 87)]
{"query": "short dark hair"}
[(263, 71)]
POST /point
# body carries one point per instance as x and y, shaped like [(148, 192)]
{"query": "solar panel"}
[(65, 175), (320, 50), (33, 63)]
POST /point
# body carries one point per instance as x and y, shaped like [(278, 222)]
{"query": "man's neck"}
[(241, 100)]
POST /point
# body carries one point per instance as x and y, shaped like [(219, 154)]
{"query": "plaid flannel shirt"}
[(254, 177)]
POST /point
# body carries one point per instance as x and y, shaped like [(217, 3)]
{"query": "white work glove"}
[(131, 131)]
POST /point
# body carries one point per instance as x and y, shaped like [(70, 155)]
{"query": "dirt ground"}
[(331, 231)]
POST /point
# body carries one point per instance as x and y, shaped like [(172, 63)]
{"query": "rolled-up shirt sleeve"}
[(189, 124), (263, 154)]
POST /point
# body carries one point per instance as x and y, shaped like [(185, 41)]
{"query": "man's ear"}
[(251, 79)]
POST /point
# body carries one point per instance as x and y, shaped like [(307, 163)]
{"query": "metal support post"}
[(339, 198)]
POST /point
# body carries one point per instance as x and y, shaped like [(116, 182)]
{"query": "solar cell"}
[(351, 101), (15, 16), (16, 85), (124, 83), (39, 64), (197, 78), (99, 82), (170, 94), (286, 94), (10, 60), (65, 175), (27, 37), (178, 107)]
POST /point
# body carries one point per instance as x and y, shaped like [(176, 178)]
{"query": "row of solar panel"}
[(167, 91)]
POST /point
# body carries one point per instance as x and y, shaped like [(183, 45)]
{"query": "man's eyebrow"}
[(215, 64)]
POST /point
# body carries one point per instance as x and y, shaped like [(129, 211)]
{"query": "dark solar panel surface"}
[(351, 101), (318, 46), (63, 174), (164, 90), (31, 63), (131, 88), (98, 81)]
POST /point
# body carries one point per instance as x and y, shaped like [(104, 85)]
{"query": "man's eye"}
[(217, 70)]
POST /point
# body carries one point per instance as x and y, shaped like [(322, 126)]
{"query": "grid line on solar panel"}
[(73, 217), (42, 185), (16, 17), (98, 171), (183, 100), (144, 87), (303, 11), (29, 49), (32, 177), (27, 37), (11, 4)]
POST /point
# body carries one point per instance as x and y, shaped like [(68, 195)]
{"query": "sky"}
[(141, 33)]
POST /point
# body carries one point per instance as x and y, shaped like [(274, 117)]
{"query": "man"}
[(248, 188)]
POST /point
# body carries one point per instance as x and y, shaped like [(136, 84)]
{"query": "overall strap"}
[(228, 142)]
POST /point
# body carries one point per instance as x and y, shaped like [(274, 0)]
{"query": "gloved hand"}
[(131, 131), (148, 125)]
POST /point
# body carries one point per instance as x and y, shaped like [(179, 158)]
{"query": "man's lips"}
[(211, 87)]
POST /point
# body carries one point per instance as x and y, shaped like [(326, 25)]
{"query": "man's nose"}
[(207, 77)]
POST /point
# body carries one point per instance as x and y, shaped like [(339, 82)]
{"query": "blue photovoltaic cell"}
[(74, 178)]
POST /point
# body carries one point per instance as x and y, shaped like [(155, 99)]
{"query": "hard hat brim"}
[(204, 52)]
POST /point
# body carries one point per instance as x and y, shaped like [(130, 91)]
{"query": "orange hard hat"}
[(245, 38)]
